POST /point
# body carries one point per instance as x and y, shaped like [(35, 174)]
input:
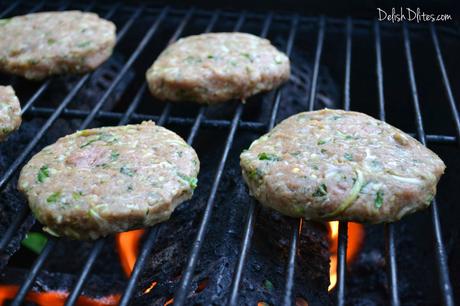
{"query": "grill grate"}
[(158, 15)]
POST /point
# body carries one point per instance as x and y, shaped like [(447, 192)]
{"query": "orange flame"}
[(128, 248), (355, 241), (55, 298)]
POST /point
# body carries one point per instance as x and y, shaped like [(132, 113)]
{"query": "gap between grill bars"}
[(232, 126)]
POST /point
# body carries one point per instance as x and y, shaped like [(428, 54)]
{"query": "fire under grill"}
[(221, 247)]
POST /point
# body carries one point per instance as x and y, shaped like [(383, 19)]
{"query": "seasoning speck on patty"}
[(42, 44), (10, 111), (216, 67), (338, 165), (106, 180)]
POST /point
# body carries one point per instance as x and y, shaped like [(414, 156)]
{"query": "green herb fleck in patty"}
[(84, 44), (43, 173), (268, 156), (53, 197), (378, 199), (192, 181), (321, 191), (106, 137), (248, 56), (348, 156), (77, 195), (114, 155), (4, 21), (127, 171), (321, 142)]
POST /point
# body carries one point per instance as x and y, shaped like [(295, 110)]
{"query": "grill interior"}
[(221, 247)]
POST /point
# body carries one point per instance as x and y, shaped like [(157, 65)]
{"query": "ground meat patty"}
[(42, 44), (337, 165), (10, 111), (101, 181), (217, 67)]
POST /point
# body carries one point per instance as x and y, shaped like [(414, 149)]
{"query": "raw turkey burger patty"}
[(338, 165), (10, 111), (106, 180), (216, 67), (42, 44)]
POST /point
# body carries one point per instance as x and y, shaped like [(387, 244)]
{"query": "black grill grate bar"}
[(194, 254), (142, 257), (440, 252), (298, 224), (47, 83), (390, 248), (125, 119), (14, 166), (249, 225), (200, 116), (290, 45), (35, 96), (99, 244), (209, 123), (134, 56), (390, 259), (28, 282), (445, 79), (10, 8), (153, 233), (343, 226), (319, 50), (184, 285), (73, 296), (25, 153), (41, 4), (132, 107)]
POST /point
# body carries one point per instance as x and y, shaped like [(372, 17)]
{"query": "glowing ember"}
[(55, 298), (128, 247), (355, 240), (169, 302), (150, 287)]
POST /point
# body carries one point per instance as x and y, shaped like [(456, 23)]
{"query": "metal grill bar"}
[(194, 253), (445, 79), (208, 123), (298, 224), (28, 282), (25, 153), (390, 255), (10, 8), (98, 245), (148, 245), (134, 56), (133, 105), (47, 83), (26, 286), (249, 226), (440, 252), (153, 233), (343, 226), (233, 125), (73, 296)]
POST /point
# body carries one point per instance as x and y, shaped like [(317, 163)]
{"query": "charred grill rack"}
[(266, 21)]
